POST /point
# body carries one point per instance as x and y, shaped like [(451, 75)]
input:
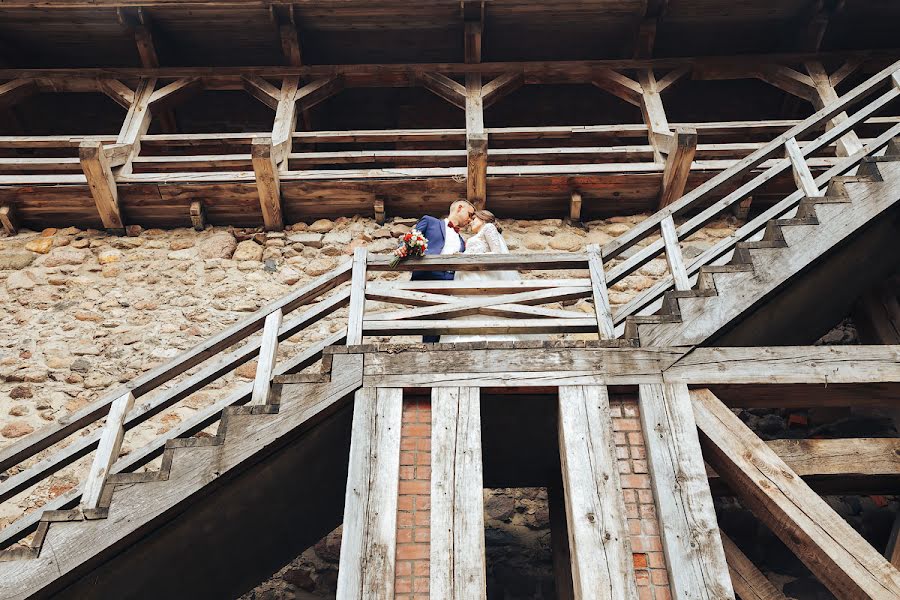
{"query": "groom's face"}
[(466, 213)]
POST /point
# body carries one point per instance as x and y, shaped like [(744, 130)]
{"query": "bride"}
[(487, 240)]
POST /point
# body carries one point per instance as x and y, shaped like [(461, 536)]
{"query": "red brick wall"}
[(414, 501)]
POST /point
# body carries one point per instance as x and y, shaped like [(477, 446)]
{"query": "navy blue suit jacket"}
[(434, 229)]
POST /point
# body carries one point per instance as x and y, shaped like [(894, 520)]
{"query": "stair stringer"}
[(68, 544), (760, 269)]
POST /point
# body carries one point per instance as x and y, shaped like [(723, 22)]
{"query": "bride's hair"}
[(488, 217)]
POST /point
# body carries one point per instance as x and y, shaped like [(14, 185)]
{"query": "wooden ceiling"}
[(69, 33)]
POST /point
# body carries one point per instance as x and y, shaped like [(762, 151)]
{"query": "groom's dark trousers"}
[(434, 231)]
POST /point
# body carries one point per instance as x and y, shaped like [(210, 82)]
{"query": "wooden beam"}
[(618, 85), (605, 328), (267, 183), (137, 121), (499, 87), (674, 258), (599, 545), (102, 183), (357, 298), (671, 78), (262, 90), (892, 551), (476, 144), (690, 532), (803, 177), (107, 453), (575, 206), (290, 46), (198, 215), (378, 208), (285, 120), (8, 219), (655, 118), (16, 90), (268, 352), (457, 570), (678, 166), (472, 46), (877, 313), (120, 93), (847, 68), (849, 144), (446, 88), (368, 547), (749, 583), (645, 37), (175, 93), (789, 80), (836, 554), (319, 90)]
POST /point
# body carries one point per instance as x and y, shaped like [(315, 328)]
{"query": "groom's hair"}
[(459, 203)]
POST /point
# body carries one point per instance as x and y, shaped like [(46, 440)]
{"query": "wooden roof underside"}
[(89, 32)]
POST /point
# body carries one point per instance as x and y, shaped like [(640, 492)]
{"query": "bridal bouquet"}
[(413, 245)]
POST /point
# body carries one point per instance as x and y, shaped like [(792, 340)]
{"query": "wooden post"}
[(368, 547), (575, 207), (267, 183), (268, 350), (748, 582), (673, 254), (101, 182), (849, 143), (137, 122), (603, 312), (654, 114), (8, 219), (835, 553), (678, 165), (198, 215), (559, 543), (107, 451), (378, 208), (285, 120), (357, 298), (457, 570), (690, 532), (476, 137), (802, 175), (599, 546)]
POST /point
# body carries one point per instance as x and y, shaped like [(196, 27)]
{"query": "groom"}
[(443, 238)]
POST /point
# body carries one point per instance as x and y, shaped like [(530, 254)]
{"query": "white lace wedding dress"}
[(486, 241)]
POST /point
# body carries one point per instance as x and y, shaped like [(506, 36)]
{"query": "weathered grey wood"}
[(100, 179), (461, 287), (674, 258), (265, 368), (368, 547), (268, 183), (690, 531), (802, 175), (600, 294), (475, 326), (457, 569), (485, 262), (836, 554), (849, 144), (748, 582), (559, 543), (285, 119), (107, 451), (446, 88), (476, 143), (788, 364), (357, 297), (678, 166), (599, 546), (262, 90)]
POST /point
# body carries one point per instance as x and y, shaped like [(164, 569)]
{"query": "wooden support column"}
[(476, 137), (660, 135), (290, 46), (678, 165), (849, 143), (674, 258), (357, 308), (599, 546), (803, 177), (457, 504), (836, 554), (137, 122), (575, 207), (559, 543), (102, 183), (690, 531), (267, 183), (748, 582), (265, 367), (198, 215), (368, 547), (8, 219), (107, 453), (378, 209), (285, 121), (605, 327)]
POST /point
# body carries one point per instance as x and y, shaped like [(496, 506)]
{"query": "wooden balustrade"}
[(268, 351)]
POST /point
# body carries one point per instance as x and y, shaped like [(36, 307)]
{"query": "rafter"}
[(618, 85), (790, 81), (174, 93), (262, 90), (499, 87), (448, 89)]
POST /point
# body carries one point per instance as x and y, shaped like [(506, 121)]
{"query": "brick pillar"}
[(414, 501), (643, 526)]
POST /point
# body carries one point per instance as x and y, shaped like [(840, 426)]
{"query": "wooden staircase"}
[(718, 309)]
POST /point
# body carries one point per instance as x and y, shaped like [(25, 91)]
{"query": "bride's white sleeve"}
[(494, 240)]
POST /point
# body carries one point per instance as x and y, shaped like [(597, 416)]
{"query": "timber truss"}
[(283, 175)]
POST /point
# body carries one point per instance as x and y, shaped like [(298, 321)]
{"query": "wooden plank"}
[(373, 326), (674, 258), (268, 351), (8, 219), (803, 177), (357, 297), (575, 206), (462, 287), (198, 215), (690, 531), (100, 179), (836, 554), (446, 88), (749, 583), (600, 294), (599, 545), (267, 183), (285, 120), (678, 166), (457, 570), (485, 262), (788, 364), (559, 543), (107, 451), (368, 546)]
